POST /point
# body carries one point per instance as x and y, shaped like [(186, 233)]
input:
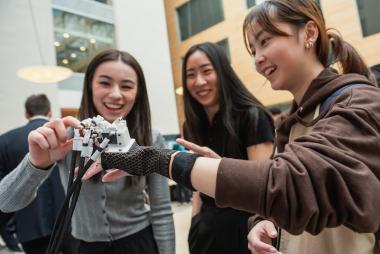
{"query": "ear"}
[(311, 32), (49, 115), (27, 115)]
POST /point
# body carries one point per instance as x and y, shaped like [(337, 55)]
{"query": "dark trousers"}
[(138, 243), (70, 245), (219, 230), (7, 231)]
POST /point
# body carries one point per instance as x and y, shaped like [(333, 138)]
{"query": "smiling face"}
[(202, 79), (280, 59), (114, 89)]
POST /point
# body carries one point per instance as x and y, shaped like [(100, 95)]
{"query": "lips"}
[(269, 71), (112, 106), (203, 93)]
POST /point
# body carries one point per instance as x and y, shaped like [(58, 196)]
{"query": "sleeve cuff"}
[(242, 184)]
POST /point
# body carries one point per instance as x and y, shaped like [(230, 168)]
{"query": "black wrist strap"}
[(182, 166)]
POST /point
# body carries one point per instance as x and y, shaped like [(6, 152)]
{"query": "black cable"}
[(63, 220), (62, 216), (77, 185), (74, 158)]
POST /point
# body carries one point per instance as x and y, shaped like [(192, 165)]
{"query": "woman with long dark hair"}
[(222, 119), (109, 218)]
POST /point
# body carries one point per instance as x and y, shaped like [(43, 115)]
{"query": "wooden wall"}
[(340, 14)]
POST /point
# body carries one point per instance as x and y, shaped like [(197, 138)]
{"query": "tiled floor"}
[(182, 215)]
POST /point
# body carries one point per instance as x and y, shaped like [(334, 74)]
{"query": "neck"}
[(305, 81), (211, 111)]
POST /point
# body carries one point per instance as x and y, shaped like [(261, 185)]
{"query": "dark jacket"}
[(327, 178), (37, 219)]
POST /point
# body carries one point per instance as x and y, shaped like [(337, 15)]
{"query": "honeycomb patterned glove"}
[(139, 160)]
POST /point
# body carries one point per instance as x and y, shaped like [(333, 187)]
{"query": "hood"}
[(326, 83)]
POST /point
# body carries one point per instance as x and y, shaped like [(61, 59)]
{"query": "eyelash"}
[(264, 41)]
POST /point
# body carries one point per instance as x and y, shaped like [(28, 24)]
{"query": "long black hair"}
[(233, 95)]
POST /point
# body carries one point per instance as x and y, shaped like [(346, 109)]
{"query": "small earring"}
[(309, 44)]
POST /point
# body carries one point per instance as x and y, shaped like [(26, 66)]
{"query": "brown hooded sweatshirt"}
[(327, 178)]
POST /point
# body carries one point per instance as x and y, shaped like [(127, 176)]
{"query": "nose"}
[(259, 60), (115, 92), (200, 80)]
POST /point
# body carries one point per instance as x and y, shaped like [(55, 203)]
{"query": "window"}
[(197, 15), (78, 39), (250, 3), (369, 11), (226, 47)]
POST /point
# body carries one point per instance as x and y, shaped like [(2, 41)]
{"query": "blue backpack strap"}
[(329, 100)]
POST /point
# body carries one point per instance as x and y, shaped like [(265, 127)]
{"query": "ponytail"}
[(346, 56)]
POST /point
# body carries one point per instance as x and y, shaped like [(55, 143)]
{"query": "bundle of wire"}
[(89, 150)]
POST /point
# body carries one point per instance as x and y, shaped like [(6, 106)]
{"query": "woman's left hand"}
[(202, 150), (111, 175)]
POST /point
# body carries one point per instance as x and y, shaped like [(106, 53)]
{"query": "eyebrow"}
[(124, 80), (201, 66), (104, 76), (258, 34)]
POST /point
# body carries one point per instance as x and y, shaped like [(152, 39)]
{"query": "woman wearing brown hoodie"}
[(326, 171)]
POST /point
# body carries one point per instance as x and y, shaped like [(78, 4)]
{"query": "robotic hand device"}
[(94, 138)]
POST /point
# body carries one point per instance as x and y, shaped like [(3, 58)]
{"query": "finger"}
[(114, 175), (37, 139), (94, 169), (270, 229), (260, 247), (68, 146), (189, 145), (60, 128), (254, 251), (49, 136), (70, 121)]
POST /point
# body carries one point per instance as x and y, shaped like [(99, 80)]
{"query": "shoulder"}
[(362, 96), (11, 133), (253, 115)]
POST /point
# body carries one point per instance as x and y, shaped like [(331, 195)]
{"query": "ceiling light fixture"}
[(42, 74)]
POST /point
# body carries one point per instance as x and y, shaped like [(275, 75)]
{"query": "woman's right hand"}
[(202, 150), (49, 143), (260, 238)]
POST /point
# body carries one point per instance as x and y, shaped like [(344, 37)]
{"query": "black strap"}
[(183, 163)]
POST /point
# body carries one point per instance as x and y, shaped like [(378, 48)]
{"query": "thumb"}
[(113, 175), (270, 229), (67, 146)]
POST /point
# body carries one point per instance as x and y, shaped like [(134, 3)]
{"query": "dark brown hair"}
[(37, 104), (330, 47)]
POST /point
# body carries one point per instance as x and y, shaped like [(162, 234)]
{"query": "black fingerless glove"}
[(139, 160)]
